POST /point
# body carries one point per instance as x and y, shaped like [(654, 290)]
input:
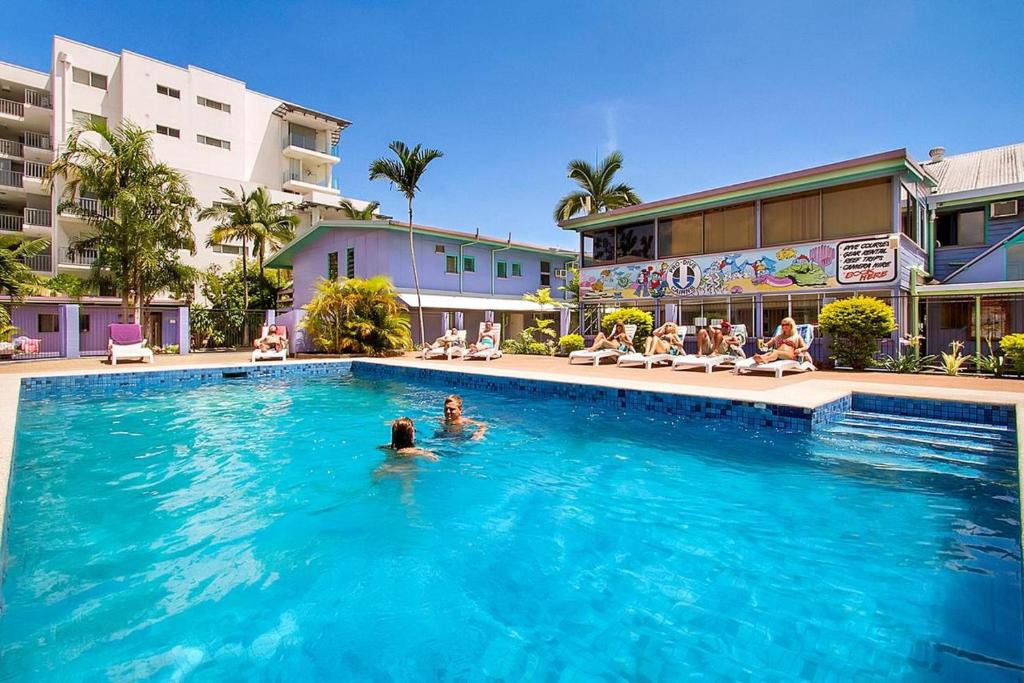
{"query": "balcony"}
[(11, 179), (38, 217), (298, 146), (37, 146), (78, 257), (11, 222), (304, 183), (40, 263), (38, 98), (33, 181), (85, 208), (10, 148), (11, 109)]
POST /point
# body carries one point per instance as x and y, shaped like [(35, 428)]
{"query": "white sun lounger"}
[(454, 350), (709, 363), (646, 361), (596, 357), (486, 354), (129, 343), (778, 367), (271, 354)]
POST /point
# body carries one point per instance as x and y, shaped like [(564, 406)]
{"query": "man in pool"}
[(455, 423)]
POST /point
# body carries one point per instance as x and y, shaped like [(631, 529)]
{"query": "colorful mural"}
[(787, 269)]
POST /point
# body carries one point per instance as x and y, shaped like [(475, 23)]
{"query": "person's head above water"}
[(403, 433), (452, 408)]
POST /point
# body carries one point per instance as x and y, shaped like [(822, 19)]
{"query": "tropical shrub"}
[(908, 363), (527, 342), (570, 343), (953, 362), (66, 283), (643, 320), (990, 362), (1012, 346), (538, 349), (855, 325), (357, 316)]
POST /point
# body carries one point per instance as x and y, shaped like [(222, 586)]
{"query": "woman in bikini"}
[(665, 339), (618, 339), (788, 345)]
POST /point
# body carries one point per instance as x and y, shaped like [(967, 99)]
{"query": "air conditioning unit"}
[(1003, 209), (561, 273)]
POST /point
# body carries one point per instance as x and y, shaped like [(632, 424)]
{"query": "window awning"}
[(473, 303)]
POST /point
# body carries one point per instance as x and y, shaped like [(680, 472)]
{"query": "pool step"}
[(930, 424)]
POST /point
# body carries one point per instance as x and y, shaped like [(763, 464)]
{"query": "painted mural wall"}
[(823, 265)]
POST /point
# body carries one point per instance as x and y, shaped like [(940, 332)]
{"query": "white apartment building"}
[(209, 126)]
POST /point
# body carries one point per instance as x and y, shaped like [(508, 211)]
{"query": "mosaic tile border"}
[(750, 414), (978, 413), (109, 383)]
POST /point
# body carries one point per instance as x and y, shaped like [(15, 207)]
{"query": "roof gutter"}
[(980, 193), (493, 252), (462, 262)]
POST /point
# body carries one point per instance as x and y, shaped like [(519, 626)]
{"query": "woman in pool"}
[(665, 339), (403, 441), (618, 339), (788, 345)]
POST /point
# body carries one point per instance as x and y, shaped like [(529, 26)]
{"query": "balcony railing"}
[(37, 98), (37, 140), (12, 108), (299, 176), (11, 222), (88, 207), (42, 263), (40, 217), (34, 169), (306, 142), (78, 257), (10, 178), (11, 148)]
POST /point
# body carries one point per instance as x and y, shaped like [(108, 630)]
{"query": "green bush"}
[(855, 326), (538, 349), (1012, 346), (643, 320), (570, 343), (68, 284)]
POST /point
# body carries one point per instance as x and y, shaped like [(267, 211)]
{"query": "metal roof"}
[(984, 168)]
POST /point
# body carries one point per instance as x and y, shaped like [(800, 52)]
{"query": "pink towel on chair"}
[(123, 334)]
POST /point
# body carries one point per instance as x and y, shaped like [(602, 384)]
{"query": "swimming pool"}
[(246, 530)]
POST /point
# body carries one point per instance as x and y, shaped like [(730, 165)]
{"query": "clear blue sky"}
[(695, 95)]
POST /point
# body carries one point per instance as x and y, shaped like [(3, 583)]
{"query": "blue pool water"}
[(246, 531)]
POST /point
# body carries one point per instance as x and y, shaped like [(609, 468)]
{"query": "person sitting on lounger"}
[(488, 339), (272, 340), (711, 341), (618, 339), (447, 340), (788, 345), (454, 422), (403, 441), (665, 339)]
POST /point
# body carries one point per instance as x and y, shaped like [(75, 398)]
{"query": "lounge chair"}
[(486, 354), (126, 342), (271, 354), (596, 357), (805, 364), (648, 362), (709, 363), (453, 350)]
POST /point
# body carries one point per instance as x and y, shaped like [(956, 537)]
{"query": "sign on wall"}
[(802, 267)]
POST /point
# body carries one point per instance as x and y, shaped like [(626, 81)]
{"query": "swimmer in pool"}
[(455, 423), (403, 441)]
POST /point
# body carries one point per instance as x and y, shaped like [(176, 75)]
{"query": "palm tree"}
[(367, 213), (356, 316), (142, 215), (250, 218), (599, 193), (404, 174), (16, 278)]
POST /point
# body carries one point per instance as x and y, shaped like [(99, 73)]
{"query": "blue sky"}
[(695, 95)]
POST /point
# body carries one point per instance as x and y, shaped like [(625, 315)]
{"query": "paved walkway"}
[(99, 364)]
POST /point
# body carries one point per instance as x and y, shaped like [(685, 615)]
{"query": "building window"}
[(854, 210), (170, 92), (961, 229), (84, 118), (438, 248), (451, 263), (47, 322), (681, 235), (89, 78), (791, 219), (517, 270), (545, 273), (729, 229), (213, 104), (226, 249), (350, 262), (332, 265), (83, 323), (908, 213), (213, 142), (168, 131), (634, 242), (501, 270), (468, 264), (603, 247)]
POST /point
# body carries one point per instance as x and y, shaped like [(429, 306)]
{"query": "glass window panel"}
[(451, 264), (350, 262), (716, 309), (681, 235), (804, 308), (742, 312), (587, 250), (502, 269), (635, 243), (970, 228), (729, 229), (773, 310), (1015, 261), (689, 311), (469, 264), (332, 265), (852, 210), (908, 214), (79, 75), (99, 81), (791, 219), (604, 247), (517, 270)]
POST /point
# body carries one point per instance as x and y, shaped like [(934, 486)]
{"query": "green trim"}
[(877, 170), (986, 200), (981, 290)]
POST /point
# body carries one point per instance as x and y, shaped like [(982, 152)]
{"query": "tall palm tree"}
[(142, 216), (404, 174), (250, 219), (598, 192), (367, 213)]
